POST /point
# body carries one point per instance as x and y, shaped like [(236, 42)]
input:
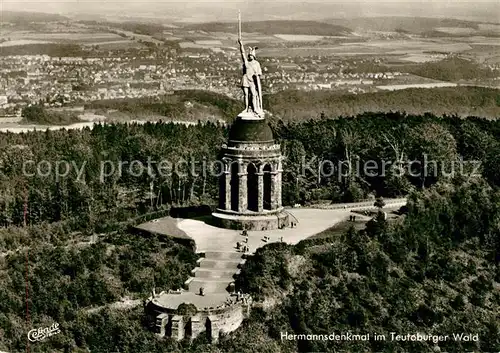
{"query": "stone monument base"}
[(260, 221), (250, 115)]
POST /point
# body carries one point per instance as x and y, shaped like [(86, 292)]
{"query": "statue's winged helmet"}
[(252, 51)]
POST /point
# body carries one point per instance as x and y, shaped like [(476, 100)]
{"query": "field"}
[(456, 30), (209, 42), (204, 40), (299, 37), (416, 85), (12, 43), (64, 36), (422, 58), (414, 46), (123, 43), (371, 37), (490, 27), (84, 37), (418, 49), (480, 40)]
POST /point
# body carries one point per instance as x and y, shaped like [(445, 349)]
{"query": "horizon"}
[(215, 11)]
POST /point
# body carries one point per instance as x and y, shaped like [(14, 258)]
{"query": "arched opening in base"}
[(235, 186), (208, 329), (168, 328), (252, 188), (188, 329)]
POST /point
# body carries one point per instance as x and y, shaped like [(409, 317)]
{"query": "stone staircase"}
[(210, 273), (215, 272)]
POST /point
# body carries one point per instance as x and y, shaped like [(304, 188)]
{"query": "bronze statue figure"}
[(250, 81)]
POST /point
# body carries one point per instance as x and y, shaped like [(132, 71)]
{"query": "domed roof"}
[(250, 130)]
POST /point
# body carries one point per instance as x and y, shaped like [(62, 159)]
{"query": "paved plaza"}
[(222, 259), (308, 223)]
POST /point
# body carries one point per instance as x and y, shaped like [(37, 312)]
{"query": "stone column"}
[(197, 326), (214, 333), (177, 328), (227, 196), (274, 196), (242, 192), (260, 190), (278, 189), (161, 322)]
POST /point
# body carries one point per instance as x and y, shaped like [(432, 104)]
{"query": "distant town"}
[(91, 61), (57, 81)]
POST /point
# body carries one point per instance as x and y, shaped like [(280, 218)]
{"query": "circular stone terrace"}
[(172, 300)]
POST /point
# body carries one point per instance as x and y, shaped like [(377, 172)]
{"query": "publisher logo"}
[(37, 335)]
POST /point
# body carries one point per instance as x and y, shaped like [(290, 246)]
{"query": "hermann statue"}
[(250, 81)]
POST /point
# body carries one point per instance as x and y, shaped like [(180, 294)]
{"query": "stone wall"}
[(230, 319), (362, 205), (256, 224), (210, 322)]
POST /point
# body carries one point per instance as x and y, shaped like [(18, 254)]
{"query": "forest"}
[(434, 271), (71, 285), (452, 69), (56, 50), (37, 114), (462, 101)]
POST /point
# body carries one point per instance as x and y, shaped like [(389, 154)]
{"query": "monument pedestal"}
[(250, 185), (250, 115)]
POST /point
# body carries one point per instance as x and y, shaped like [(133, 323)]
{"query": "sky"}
[(217, 10)]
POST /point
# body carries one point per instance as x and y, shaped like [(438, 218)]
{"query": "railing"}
[(291, 215), (253, 148), (348, 206)]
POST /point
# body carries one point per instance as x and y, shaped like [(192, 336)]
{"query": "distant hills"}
[(276, 27), (415, 25), (425, 26), (27, 17), (323, 27), (196, 11)]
